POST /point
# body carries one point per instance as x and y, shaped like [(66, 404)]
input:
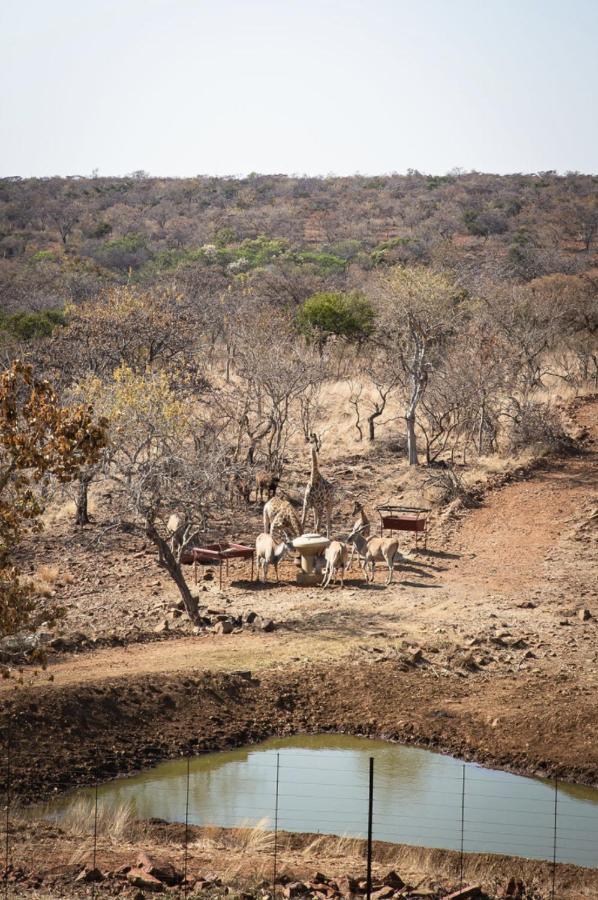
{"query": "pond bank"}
[(69, 736)]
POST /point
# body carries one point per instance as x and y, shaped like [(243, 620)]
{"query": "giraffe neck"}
[(314, 463)]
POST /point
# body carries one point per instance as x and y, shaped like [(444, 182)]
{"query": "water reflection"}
[(323, 787)]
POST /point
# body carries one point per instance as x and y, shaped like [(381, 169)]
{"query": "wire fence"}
[(449, 805)]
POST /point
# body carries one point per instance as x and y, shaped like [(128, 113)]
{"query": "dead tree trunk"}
[(372, 423), (411, 440), (82, 511), (419, 380)]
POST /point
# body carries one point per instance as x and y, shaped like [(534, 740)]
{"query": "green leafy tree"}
[(327, 314)]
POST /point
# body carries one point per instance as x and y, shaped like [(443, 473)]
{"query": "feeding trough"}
[(405, 518), (217, 554), (310, 547)]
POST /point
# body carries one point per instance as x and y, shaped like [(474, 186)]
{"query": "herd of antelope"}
[(280, 517)]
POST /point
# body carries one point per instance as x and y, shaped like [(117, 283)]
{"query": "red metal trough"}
[(405, 518), (217, 554)]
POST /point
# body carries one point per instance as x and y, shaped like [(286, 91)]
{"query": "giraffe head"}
[(315, 441)]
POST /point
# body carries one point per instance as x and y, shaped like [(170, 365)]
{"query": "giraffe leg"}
[(304, 511), (316, 520)]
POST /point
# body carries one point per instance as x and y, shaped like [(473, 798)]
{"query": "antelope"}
[(265, 481), (268, 553), (362, 524), (373, 550), (336, 554), (239, 487)]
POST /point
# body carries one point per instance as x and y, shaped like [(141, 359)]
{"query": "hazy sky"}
[(181, 87)]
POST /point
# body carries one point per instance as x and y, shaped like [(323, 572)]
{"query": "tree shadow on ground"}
[(440, 554)]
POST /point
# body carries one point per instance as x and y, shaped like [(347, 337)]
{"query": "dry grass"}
[(116, 822), (62, 510), (246, 849), (257, 838), (243, 856), (44, 580), (47, 578)]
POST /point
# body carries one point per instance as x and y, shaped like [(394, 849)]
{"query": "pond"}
[(420, 798)]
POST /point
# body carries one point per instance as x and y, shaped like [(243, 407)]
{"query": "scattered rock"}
[(515, 889), (393, 880), (466, 893), (383, 893), (347, 885), (584, 614), (162, 626), (160, 869), (294, 889), (89, 875), (145, 881), (223, 627)]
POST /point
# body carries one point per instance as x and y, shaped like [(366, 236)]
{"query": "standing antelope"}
[(268, 553), (336, 554), (373, 550), (362, 524), (265, 482)]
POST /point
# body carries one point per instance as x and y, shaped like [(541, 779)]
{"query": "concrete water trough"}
[(311, 548)]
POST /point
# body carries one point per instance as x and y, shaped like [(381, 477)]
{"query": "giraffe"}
[(279, 515), (319, 493)]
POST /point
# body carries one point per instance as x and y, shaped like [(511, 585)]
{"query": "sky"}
[(228, 87)]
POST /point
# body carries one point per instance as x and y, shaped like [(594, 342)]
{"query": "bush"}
[(350, 316), (539, 426), (449, 486), (29, 325), (128, 252)]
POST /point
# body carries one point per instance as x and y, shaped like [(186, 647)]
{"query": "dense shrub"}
[(325, 314), (28, 325)]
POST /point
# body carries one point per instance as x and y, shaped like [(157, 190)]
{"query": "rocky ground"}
[(206, 863)]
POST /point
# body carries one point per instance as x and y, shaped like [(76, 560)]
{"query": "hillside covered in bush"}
[(66, 239)]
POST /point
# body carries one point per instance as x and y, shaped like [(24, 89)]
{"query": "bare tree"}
[(276, 368), (419, 310), (163, 457)]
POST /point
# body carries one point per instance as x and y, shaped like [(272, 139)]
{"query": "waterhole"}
[(321, 784)]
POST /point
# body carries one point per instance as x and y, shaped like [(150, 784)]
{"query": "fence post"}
[(8, 776), (370, 816), (95, 839), (462, 829), (276, 826), (185, 858), (556, 798)]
